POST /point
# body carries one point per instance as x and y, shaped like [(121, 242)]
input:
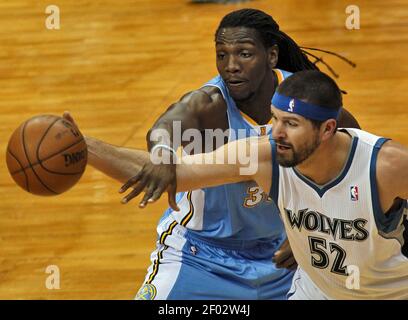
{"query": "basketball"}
[(46, 155)]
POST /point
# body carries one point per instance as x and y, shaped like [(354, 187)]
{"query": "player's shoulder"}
[(391, 165), (207, 98), (391, 168), (364, 136), (392, 157), (213, 94)]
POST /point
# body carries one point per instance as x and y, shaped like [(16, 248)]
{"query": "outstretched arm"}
[(241, 160), (194, 110), (116, 162)]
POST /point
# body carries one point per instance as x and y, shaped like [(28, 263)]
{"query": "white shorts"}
[(303, 288)]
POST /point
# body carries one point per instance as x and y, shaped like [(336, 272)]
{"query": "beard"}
[(296, 156)]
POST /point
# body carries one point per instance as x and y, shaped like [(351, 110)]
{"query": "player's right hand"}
[(155, 179)]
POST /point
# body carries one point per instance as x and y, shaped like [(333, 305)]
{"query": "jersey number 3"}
[(255, 196)]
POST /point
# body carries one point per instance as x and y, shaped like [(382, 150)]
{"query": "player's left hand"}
[(154, 180), (284, 257)]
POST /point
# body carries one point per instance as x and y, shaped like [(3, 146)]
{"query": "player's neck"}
[(258, 107), (329, 159)]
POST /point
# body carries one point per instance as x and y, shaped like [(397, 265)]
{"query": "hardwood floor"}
[(117, 66)]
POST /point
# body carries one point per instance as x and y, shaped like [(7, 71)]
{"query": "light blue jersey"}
[(221, 243), (239, 211)]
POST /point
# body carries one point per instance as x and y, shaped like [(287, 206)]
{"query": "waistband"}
[(237, 244)]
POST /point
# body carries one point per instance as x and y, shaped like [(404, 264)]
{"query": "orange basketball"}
[(46, 155)]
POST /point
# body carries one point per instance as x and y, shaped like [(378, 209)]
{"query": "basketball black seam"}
[(41, 161), (60, 173), (25, 174), (41, 140), (25, 152), (49, 157)]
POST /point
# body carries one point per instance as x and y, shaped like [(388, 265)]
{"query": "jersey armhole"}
[(385, 223), (274, 191)]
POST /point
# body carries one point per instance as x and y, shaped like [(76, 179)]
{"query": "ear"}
[(328, 129), (273, 53)]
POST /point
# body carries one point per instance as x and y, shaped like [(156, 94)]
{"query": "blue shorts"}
[(186, 267)]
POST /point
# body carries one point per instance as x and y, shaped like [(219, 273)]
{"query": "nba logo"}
[(291, 105), (354, 193)]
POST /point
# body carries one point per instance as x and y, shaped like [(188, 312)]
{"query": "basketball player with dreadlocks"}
[(221, 242)]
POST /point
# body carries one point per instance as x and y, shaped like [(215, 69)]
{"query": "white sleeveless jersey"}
[(339, 236)]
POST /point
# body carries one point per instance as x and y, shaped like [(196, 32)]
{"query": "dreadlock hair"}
[(291, 57), (315, 87)]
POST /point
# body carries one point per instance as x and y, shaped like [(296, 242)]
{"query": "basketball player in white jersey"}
[(341, 193)]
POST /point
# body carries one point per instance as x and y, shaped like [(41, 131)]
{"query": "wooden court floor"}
[(117, 66)]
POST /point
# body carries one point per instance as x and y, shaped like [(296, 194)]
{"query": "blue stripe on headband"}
[(304, 109)]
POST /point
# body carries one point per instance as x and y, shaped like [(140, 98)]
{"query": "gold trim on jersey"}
[(168, 232), (156, 265), (190, 214), (251, 121), (156, 262), (279, 74)]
